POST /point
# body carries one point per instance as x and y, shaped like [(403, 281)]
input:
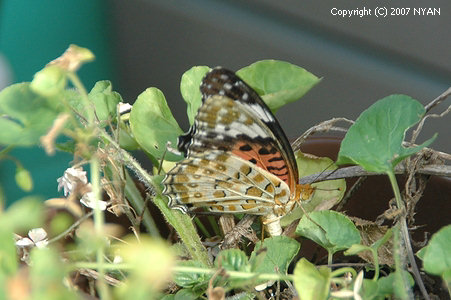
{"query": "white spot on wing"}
[(228, 86), (261, 112)]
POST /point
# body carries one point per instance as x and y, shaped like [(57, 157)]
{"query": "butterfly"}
[(237, 157)]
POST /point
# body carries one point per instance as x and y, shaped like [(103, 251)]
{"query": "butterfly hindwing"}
[(224, 183)]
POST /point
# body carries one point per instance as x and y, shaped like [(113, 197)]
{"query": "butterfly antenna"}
[(324, 179)]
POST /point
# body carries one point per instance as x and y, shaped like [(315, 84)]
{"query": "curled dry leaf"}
[(370, 232)]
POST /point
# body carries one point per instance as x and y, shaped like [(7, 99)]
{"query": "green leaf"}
[(437, 254), (327, 193), (356, 249), (25, 115), (153, 125), (49, 81), (186, 294), (189, 87), (47, 276), (8, 252), (23, 214), (23, 179), (393, 284), (375, 140), (370, 289), (280, 251), (232, 260), (311, 283), (190, 280), (337, 231), (278, 82), (126, 139), (105, 100)]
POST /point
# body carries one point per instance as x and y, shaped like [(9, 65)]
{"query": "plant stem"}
[(191, 270), (137, 202), (99, 220), (376, 264), (180, 221), (329, 257), (406, 239)]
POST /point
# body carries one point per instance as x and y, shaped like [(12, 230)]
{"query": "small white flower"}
[(124, 108), (36, 237), (117, 259), (89, 200), (69, 180)]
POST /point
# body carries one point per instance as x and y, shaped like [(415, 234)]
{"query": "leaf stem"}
[(402, 223), (190, 270)]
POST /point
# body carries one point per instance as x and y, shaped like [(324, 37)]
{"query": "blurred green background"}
[(32, 33)]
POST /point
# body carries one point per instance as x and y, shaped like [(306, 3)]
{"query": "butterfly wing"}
[(225, 183), (235, 119)]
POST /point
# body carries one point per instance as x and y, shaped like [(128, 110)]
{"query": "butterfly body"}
[(238, 160)]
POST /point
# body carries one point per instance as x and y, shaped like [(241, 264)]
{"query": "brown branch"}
[(357, 171), (428, 107)]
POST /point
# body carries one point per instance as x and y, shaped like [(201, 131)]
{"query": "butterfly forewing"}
[(244, 124), (238, 159)]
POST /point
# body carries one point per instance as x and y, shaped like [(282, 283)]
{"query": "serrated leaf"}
[(278, 82), (186, 294), (375, 140), (310, 283), (190, 89), (327, 193), (280, 251), (437, 254), (337, 231), (153, 124), (190, 280), (232, 260), (25, 115)]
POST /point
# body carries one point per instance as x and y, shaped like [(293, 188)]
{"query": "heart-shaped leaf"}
[(189, 87), (153, 124), (375, 140), (278, 82), (280, 250), (337, 232), (436, 255)]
